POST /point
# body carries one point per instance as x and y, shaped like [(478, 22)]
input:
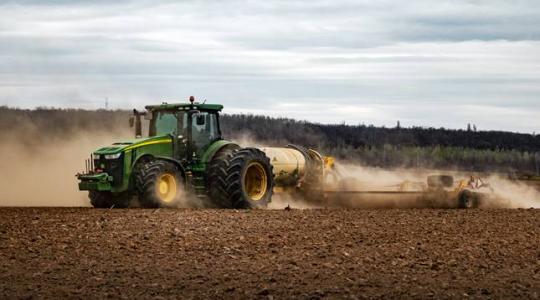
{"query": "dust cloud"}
[(349, 177), (245, 139), (382, 190), (501, 193), (512, 194), (40, 171)]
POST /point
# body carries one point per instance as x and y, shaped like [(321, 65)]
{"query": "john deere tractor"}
[(183, 155)]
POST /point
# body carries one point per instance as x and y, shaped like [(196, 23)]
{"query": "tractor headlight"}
[(113, 156), (97, 156)]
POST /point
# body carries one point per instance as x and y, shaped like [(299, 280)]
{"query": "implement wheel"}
[(249, 179), (468, 199), (158, 183), (107, 199)]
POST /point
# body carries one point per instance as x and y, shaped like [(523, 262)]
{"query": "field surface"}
[(272, 254)]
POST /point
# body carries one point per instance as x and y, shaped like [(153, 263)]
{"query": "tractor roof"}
[(175, 106)]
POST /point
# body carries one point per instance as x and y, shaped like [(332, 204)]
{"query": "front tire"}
[(159, 183), (250, 180)]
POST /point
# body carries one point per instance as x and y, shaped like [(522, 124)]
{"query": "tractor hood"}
[(134, 143)]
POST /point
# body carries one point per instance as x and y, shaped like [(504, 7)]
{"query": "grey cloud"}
[(424, 62), (387, 59)]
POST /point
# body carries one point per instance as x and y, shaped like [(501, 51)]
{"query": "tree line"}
[(414, 147)]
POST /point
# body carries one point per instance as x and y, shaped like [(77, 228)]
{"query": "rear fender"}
[(216, 148)]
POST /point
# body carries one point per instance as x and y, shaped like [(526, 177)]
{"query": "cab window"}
[(169, 122), (204, 129)]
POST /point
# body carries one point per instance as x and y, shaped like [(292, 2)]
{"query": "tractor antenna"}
[(204, 101)]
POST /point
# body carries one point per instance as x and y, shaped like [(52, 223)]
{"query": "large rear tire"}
[(102, 199), (249, 179), (216, 180), (159, 183)]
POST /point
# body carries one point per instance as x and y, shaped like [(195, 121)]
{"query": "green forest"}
[(415, 147)]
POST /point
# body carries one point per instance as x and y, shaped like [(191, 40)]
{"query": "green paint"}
[(132, 144), (98, 182)]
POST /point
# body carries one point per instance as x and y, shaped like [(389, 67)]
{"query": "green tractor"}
[(184, 155)]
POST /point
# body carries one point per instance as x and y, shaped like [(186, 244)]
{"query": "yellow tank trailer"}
[(297, 169)]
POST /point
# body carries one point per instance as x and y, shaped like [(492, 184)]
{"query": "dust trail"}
[(245, 139), (40, 171), (504, 193), (512, 194), (353, 177)]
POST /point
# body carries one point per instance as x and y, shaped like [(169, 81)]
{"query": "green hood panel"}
[(135, 143)]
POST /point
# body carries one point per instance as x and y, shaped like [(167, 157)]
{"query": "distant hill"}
[(374, 146)]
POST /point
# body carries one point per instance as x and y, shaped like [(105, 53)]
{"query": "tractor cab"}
[(193, 127)]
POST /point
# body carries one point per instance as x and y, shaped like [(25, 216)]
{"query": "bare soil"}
[(136, 253)]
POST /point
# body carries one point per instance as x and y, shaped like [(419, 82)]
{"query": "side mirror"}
[(200, 120), (136, 120)]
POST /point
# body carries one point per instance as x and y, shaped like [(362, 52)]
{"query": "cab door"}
[(204, 131)]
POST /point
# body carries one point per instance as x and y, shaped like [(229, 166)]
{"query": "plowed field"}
[(322, 253)]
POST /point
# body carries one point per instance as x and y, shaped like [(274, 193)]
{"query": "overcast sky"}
[(425, 63)]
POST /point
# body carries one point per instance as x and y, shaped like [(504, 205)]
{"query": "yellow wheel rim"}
[(255, 181), (166, 188)]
